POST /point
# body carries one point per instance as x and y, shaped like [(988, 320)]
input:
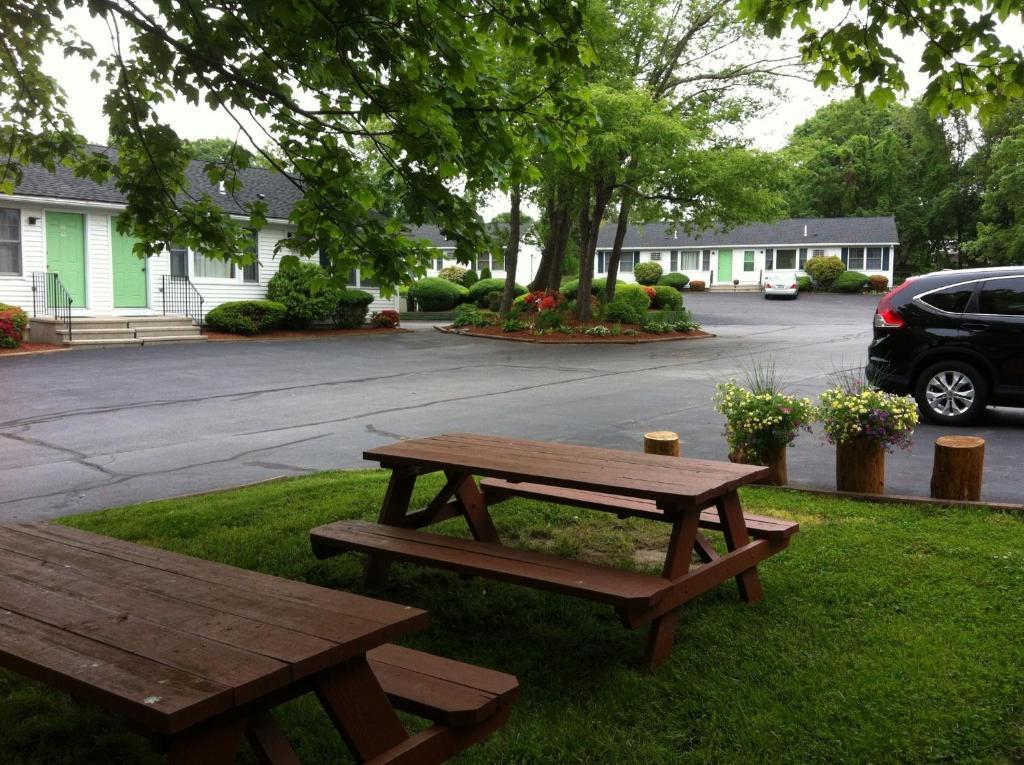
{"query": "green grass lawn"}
[(887, 634)]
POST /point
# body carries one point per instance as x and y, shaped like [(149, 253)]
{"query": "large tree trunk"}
[(511, 254), (547, 251), (561, 243), (616, 255), (590, 223)]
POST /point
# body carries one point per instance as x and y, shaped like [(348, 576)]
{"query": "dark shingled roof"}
[(433, 235), (820, 231), (280, 194)]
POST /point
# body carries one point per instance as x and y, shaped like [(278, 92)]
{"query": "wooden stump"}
[(860, 466), (959, 461), (775, 459), (662, 442)]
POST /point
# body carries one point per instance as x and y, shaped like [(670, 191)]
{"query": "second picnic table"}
[(689, 494)]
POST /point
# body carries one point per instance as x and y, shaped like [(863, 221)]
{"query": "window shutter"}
[(707, 260), (600, 261), (885, 258), (845, 255), (803, 257), (636, 257), (769, 259), (674, 261)]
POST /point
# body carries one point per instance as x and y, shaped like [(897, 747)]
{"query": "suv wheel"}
[(951, 393)]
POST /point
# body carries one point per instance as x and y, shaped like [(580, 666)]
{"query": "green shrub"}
[(13, 321), (850, 281), (548, 320), (629, 306), (571, 287), (469, 278), (514, 325), (479, 291), (494, 300), (824, 270), (677, 281), (668, 298), (350, 308), (647, 272), (469, 315), (247, 317), (303, 289), (485, 273), (803, 284), (437, 294), (878, 283), (453, 274)]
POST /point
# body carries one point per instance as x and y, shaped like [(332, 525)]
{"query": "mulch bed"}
[(26, 348), (314, 333), (524, 336)]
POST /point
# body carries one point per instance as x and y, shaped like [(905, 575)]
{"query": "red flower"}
[(651, 292)]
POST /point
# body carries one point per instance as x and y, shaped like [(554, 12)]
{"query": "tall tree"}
[(416, 83), (1000, 240)]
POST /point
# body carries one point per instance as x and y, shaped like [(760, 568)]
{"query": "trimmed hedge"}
[(803, 284), (13, 321), (667, 298), (647, 272), (469, 278), (850, 281), (479, 291), (247, 317), (677, 281), (437, 294), (350, 308), (630, 304), (571, 288), (453, 274), (485, 273), (824, 270), (292, 286)]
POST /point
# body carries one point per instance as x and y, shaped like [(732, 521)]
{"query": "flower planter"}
[(775, 460), (860, 466)]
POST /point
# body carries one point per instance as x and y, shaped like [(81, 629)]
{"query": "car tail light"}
[(887, 317), (767, 286), (793, 286)]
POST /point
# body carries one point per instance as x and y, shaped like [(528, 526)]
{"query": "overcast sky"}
[(769, 131)]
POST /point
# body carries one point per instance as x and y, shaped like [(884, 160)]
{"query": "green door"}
[(725, 265), (129, 272), (65, 252)]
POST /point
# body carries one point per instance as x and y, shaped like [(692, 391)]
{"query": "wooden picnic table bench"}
[(689, 494), (197, 653)]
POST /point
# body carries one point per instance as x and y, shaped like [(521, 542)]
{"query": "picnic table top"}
[(166, 639), (692, 482)]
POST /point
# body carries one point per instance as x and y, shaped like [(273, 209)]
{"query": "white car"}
[(780, 285)]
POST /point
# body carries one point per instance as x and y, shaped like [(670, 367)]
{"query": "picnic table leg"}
[(735, 530), (474, 506), (392, 511), (207, 745), (268, 740), (662, 632), (356, 704)]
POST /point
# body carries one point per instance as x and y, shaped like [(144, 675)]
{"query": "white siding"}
[(17, 290)]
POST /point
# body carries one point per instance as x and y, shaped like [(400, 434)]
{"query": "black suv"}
[(955, 339)]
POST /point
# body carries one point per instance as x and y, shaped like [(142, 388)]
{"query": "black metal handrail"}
[(51, 298), (181, 297)]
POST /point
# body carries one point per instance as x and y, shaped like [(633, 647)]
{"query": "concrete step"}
[(89, 332), (173, 339), (170, 330), (102, 343), (158, 321), (731, 288), (105, 323)]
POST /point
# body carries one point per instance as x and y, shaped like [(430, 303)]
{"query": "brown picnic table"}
[(198, 653), (688, 494)]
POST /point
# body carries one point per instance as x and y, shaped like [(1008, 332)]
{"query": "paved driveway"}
[(91, 429)]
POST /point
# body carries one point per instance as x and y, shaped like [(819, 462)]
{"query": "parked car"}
[(955, 340), (780, 285)]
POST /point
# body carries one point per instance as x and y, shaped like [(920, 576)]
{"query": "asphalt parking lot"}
[(86, 430)]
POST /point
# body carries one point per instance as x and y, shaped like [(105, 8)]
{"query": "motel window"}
[(873, 259), (251, 272), (211, 268), (179, 260), (855, 259), (655, 256), (818, 254), (628, 261), (689, 260), (10, 241), (748, 260), (785, 260), (485, 260), (438, 263)]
